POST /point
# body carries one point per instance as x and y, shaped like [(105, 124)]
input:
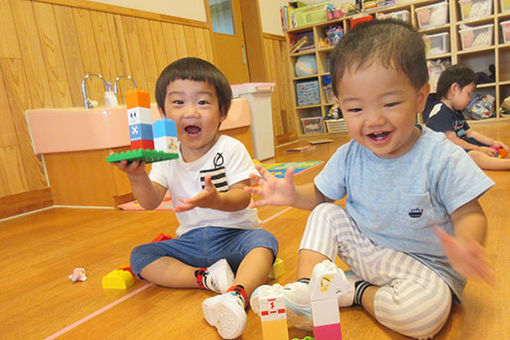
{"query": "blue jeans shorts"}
[(202, 247)]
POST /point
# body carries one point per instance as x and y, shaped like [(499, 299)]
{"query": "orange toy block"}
[(118, 279), (138, 98)]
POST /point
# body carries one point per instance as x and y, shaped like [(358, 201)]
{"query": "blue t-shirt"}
[(396, 202)]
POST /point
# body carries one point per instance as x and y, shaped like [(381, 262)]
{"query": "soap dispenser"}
[(110, 99)]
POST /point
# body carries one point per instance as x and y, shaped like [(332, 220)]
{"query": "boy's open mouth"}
[(192, 129), (379, 136)]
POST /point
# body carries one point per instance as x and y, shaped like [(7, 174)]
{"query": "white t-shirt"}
[(228, 162)]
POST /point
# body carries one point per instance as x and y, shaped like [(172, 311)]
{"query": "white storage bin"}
[(432, 15), (471, 9), (335, 125), (505, 5), (505, 30), (403, 15), (476, 37), (437, 43), (312, 125)]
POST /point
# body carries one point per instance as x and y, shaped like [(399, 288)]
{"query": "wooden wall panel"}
[(19, 100), (8, 135), (52, 52), (70, 52), (169, 41), (158, 41), (278, 71), (13, 179), (9, 47), (89, 54), (147, 51), (136, 59), (180, 41), (35, 67), (121, 56), (104, 46)]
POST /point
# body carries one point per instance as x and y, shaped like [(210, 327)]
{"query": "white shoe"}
[(297, 302), (220, 276), (226, 314), (345, 292)]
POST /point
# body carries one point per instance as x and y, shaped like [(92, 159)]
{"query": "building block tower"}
[(139, 119), (325, 312), (273, 314), (141, 133)]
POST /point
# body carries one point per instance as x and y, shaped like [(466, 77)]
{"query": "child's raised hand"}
[(205, 199), (467, 256), (500, 145), (274, 191), (134, 168)]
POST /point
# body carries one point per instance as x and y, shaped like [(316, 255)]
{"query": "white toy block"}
[(273, 314), (166, 144), (139, 115), (325, 312)]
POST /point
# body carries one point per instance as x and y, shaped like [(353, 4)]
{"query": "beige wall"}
[(270, 16), (189, 9)]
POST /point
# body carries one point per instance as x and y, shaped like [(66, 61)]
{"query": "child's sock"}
[(203, 279), (359, 290), (239, 292)]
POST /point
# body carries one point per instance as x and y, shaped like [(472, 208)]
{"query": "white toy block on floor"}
[(273, 314), (325, 311)]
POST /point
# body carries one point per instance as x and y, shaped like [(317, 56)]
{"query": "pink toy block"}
[(328, 332)]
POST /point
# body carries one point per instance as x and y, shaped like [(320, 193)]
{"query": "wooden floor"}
[(40, 250)]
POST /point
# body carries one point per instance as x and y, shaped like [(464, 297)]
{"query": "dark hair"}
[(195, 69), (392, 43), (460, 74)]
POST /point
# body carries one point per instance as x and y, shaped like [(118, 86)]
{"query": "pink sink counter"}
[(77, 129)]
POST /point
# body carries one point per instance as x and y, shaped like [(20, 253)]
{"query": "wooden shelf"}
[(478, 58)]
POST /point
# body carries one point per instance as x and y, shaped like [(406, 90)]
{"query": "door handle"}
[(244, 54)]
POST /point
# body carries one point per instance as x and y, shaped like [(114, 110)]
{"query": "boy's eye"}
[(392, 104), (354, 110), (178, 102), (203, 102)]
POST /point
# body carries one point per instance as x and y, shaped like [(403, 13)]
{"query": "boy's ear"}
[(423, 94), (161, 112)]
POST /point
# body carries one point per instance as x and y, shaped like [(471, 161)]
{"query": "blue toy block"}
[(140, 131), (164, 128)]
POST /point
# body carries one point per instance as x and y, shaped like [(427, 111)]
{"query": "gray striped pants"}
[(412, 299)]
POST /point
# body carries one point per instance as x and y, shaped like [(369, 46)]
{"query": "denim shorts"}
[(202, 247)]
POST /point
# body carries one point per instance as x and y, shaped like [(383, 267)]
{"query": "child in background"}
[(412, 227), (455, 87), (218, 230)]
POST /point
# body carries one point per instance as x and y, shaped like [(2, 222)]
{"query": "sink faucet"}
[(115, 83), (86, 101)]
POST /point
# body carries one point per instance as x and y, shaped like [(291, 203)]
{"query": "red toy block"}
[(162, 237), (142, 144), (127, 267)]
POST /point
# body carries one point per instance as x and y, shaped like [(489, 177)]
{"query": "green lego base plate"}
[(146, 155)]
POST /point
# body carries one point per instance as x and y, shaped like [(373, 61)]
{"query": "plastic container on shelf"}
[(311, 14), (437, 43), (505, 30), (335, 125), (259, 100), (505, 5), (403, 15), (312, 125), (472, 9), (477, 37), (432, 15), (307, 93)]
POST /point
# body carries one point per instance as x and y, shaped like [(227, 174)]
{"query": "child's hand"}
[(205, 199), (500, 145), (488, 151), (274, 191), (134, 168), (466, 256)]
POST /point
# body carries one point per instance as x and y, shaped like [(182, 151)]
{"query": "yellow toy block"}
[(117, 279), (275, 330), (277, 270)]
